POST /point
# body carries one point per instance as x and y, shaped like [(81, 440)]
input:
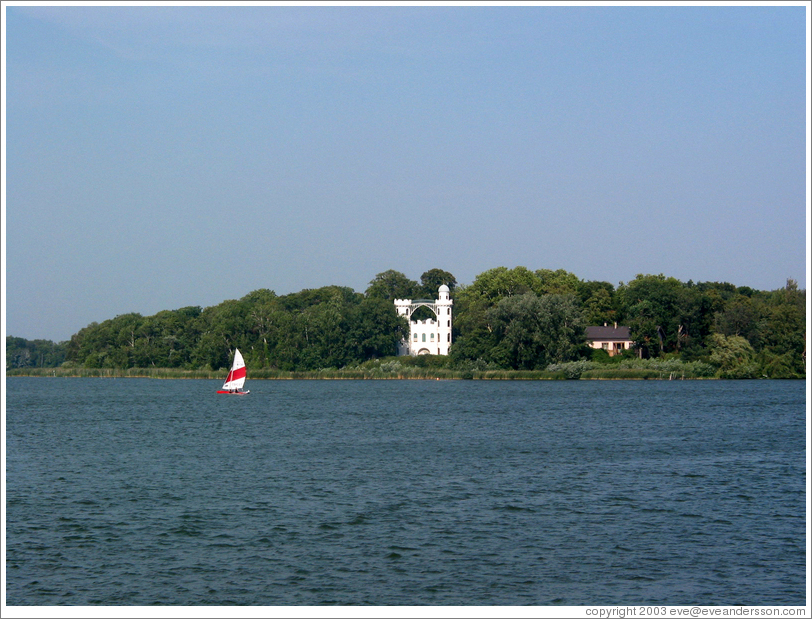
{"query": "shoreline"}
[(416, 374)]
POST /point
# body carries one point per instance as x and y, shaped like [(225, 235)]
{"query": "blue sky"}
[(159, 157)]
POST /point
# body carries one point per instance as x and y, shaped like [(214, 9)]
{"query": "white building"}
[(614, 340), (427, 337)]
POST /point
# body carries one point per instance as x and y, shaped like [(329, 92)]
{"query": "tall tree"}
[(733, 356), (373, 330), (392, 285), (532, 331), (431, 281), (22, 353), (496, 284), (558, 281), (599, 308), (652, 306)]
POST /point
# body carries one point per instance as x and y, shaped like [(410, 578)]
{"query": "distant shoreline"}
[(352, 374)]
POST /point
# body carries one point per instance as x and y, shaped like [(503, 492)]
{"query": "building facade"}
[(614, 340), (430, 336)]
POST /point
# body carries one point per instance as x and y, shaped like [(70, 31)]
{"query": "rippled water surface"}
[(138, 491)]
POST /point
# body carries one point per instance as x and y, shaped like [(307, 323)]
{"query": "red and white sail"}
[(236, 377)]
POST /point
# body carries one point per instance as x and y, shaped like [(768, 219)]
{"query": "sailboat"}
[(236, 377)]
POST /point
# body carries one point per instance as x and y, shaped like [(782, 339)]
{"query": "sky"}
[(158, 157)]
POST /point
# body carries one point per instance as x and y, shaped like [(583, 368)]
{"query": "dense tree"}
[(392, 285), (653, 310), (558, 282), (733, 355), (511, 318), (518, 333), (495, 284), (783, 329), (599, 306), (374, 330), (22, 353), (562, 327), (740, 316), (531, 331), (431, 281)]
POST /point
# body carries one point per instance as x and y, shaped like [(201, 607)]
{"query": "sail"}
[(236, 377)]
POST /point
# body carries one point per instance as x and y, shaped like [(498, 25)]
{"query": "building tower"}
[(427, 337)]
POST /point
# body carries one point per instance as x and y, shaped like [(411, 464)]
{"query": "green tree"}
[(472, 334), (653, 310), (518, 332), (783, 326), (558, 282), (392, 285), (431, 281), (23, 353), (694, 320), (734, 356), (496, 284), (374, 330), (739, 316), (109, 344), (222, 329), (509, 317), (563, 328), (531, 332), (599, 308)]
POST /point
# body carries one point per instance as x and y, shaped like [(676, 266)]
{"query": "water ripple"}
[(139, 492)]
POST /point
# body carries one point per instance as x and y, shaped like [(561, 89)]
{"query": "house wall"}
[(613, 347), (426, 338), (430, 336)]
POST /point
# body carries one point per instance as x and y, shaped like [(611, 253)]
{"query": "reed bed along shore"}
[(408, 373), (325, 374)]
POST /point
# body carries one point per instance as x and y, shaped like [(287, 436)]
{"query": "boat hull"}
[(233, 392)]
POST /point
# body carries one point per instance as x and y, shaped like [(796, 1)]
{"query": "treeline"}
[(22, 353), (528, 319), (507, 319)]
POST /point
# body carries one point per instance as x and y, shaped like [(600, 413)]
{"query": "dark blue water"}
[(138, 491)]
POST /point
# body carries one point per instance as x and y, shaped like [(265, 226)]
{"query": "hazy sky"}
[(159, 157)]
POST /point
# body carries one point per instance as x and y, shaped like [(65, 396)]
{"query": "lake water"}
[(139, 491)]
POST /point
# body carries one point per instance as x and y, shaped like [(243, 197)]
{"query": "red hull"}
[(234, 392)]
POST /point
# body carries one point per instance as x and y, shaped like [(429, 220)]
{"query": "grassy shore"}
[(408, 373), (327, 374)]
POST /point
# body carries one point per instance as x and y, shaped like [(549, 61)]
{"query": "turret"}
[(403, 307), (443, 312)]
